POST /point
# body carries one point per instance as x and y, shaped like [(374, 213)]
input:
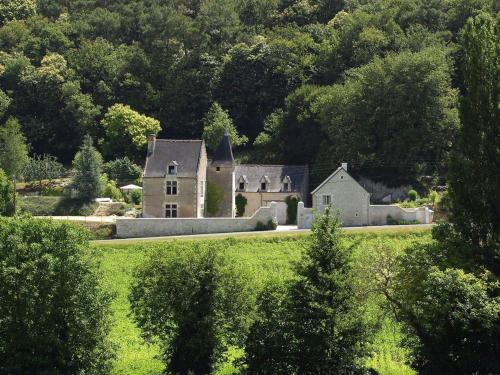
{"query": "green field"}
[(264, 258)]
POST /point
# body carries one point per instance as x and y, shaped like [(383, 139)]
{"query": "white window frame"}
[(172, 182), (174, 166), (202, 189), (170, 207), (326, 199)]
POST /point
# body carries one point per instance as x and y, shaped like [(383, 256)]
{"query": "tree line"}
[(374, 83)]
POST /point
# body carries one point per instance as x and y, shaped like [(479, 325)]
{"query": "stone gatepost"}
[(300, 215)]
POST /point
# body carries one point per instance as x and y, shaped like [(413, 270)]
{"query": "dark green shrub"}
[(291, 209), (136, 197), (123, 170), (412, 195), (260, 226), (241, 203), (194, 303), (53, 305)]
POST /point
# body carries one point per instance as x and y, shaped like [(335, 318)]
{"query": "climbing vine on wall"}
[(241, 203), (214, 197)]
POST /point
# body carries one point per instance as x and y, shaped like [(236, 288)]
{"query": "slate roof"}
[(224, 152), (185, 152), (331, 176), (253, 174)]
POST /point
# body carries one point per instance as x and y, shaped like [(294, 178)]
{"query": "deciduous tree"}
[(194, 303), (13, 148), (54, 315)]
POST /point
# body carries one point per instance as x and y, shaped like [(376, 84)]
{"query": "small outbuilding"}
[(342, 192)]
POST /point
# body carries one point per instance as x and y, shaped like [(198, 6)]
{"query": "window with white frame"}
[(171, 187), (171, 210), (287, 184), (327, 200), (172, 168)]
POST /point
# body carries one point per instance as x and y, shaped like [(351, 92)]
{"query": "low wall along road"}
[(137, 228)]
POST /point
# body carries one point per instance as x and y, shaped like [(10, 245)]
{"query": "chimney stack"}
[(151, 143), (344, 166)]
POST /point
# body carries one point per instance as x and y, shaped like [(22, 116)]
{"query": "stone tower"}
[(220, 179)]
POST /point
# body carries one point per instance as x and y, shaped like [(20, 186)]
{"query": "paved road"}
[(282, 229)]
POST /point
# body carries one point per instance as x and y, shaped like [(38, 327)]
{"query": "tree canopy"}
[(117, 70)]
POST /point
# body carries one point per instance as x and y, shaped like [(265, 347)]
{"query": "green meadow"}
[(264, 258)]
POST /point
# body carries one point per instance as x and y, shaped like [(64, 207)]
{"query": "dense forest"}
[(376, 83)]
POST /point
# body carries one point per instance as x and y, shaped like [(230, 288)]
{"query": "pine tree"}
[(13, 148), (313, 324), (474, 178), (87, 166)]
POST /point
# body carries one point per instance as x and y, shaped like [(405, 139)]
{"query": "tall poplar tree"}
[(474, 177)]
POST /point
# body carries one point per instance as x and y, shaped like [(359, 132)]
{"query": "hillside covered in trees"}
[(376, 83)]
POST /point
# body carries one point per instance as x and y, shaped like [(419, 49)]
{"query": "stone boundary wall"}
[(153, 227), (377, 215)]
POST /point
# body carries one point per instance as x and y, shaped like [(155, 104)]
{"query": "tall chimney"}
[(344, 166), (151, 143)]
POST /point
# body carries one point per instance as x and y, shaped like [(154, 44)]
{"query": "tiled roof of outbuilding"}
[(186, 153)]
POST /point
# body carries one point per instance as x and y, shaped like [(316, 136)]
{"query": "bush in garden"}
[(54, 314), (123, 169), (412, 195)]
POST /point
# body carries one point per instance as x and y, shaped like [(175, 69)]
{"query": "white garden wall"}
[(377, 215), (149, 227)]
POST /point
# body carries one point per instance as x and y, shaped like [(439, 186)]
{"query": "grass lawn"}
[(264, 258)]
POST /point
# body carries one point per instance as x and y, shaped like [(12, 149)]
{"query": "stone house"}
[(342, 192), (178, 178), (263, 184), (174, 180)]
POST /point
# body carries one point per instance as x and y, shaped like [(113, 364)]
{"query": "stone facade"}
[(342, 192), (174, 179)]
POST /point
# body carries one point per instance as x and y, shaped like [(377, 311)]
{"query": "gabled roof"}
[(332, 175), (186, 153), (274, 175), (224, 152)]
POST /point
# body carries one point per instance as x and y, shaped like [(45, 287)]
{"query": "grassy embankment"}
[(263, 258)]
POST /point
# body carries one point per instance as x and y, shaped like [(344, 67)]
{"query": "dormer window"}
[(286, 184), (172, 168), (264, 183), (242, 183)]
